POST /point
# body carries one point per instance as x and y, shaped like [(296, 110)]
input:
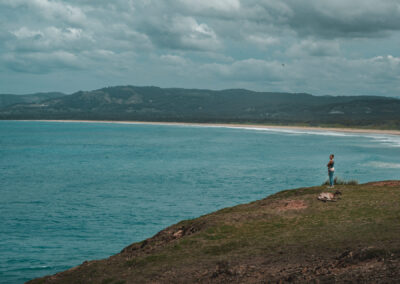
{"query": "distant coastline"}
[(234, 125), (229, 108)]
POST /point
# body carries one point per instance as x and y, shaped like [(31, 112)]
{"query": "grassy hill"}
[(193, 105), (289, 237)]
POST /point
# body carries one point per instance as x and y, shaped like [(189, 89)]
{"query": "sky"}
[(322, 47)]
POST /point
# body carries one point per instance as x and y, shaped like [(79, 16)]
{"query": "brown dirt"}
[(367, 265), (285, 205), (390, 183)]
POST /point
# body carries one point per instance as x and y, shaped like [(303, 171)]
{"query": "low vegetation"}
[(287, 237), (339, 181)]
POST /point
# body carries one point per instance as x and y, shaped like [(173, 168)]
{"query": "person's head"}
[(331, 156)]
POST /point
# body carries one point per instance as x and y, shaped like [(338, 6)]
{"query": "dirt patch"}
[(360, 255), (164, 237), (285, 205), (390, 183)]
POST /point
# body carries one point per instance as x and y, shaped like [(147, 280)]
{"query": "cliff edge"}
[(287, 237)]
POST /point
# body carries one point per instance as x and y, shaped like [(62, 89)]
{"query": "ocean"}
[(71, 192)]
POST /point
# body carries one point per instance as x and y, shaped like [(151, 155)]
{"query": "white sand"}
[(237, 125)]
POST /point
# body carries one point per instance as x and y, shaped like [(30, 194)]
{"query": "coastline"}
[(274, 238), (233, 125)]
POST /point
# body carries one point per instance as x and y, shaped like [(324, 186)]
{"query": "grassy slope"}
[(288, 236)]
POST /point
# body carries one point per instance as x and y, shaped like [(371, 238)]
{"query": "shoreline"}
[(230, 125), (174, 252)]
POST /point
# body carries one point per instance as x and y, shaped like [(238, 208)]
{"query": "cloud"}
[(325, 19), (180, 32), (41, 63), (51, 10), (42, 36), (173, 59), (311, 47), (49, 38), (211, 5), (262, 41), (340, 18), (384, 165), (336, 47), (247, 70)]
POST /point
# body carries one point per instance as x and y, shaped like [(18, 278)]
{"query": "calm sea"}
[(71, 192)]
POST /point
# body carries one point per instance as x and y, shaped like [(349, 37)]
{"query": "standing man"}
[(331, 170)]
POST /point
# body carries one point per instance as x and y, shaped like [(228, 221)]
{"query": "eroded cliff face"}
[(287, 237)]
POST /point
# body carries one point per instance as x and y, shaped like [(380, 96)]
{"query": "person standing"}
[(331, 170)]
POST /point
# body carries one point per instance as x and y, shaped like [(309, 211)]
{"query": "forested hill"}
[(193, 105)]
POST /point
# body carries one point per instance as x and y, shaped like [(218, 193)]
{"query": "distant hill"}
[(194, 105), (289, 237), (7, 100)]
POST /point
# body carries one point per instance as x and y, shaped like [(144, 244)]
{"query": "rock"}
[(178, 234)]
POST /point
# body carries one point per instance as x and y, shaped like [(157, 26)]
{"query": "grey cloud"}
[(209, 6), (49, 38), (318, 75), (41, 36), (341, 76), (248, 70), (41, 63), (180, 32), (293, 45), (312, 47), (327, 19), (50, 10), (340, 18), (171, 59)]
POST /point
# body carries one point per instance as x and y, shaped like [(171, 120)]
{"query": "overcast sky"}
[(337, 47)]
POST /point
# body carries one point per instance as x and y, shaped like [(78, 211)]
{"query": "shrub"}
[(340, 181)]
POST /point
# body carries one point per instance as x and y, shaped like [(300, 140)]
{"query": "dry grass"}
[(340, 181)]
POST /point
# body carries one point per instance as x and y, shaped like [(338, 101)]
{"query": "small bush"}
[(339, 181)]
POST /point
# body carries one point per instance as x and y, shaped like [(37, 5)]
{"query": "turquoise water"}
[(71, 192)]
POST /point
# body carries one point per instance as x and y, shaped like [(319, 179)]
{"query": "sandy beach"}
[(237, 125)]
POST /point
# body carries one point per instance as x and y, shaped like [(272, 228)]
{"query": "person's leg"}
[(330, 179)]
